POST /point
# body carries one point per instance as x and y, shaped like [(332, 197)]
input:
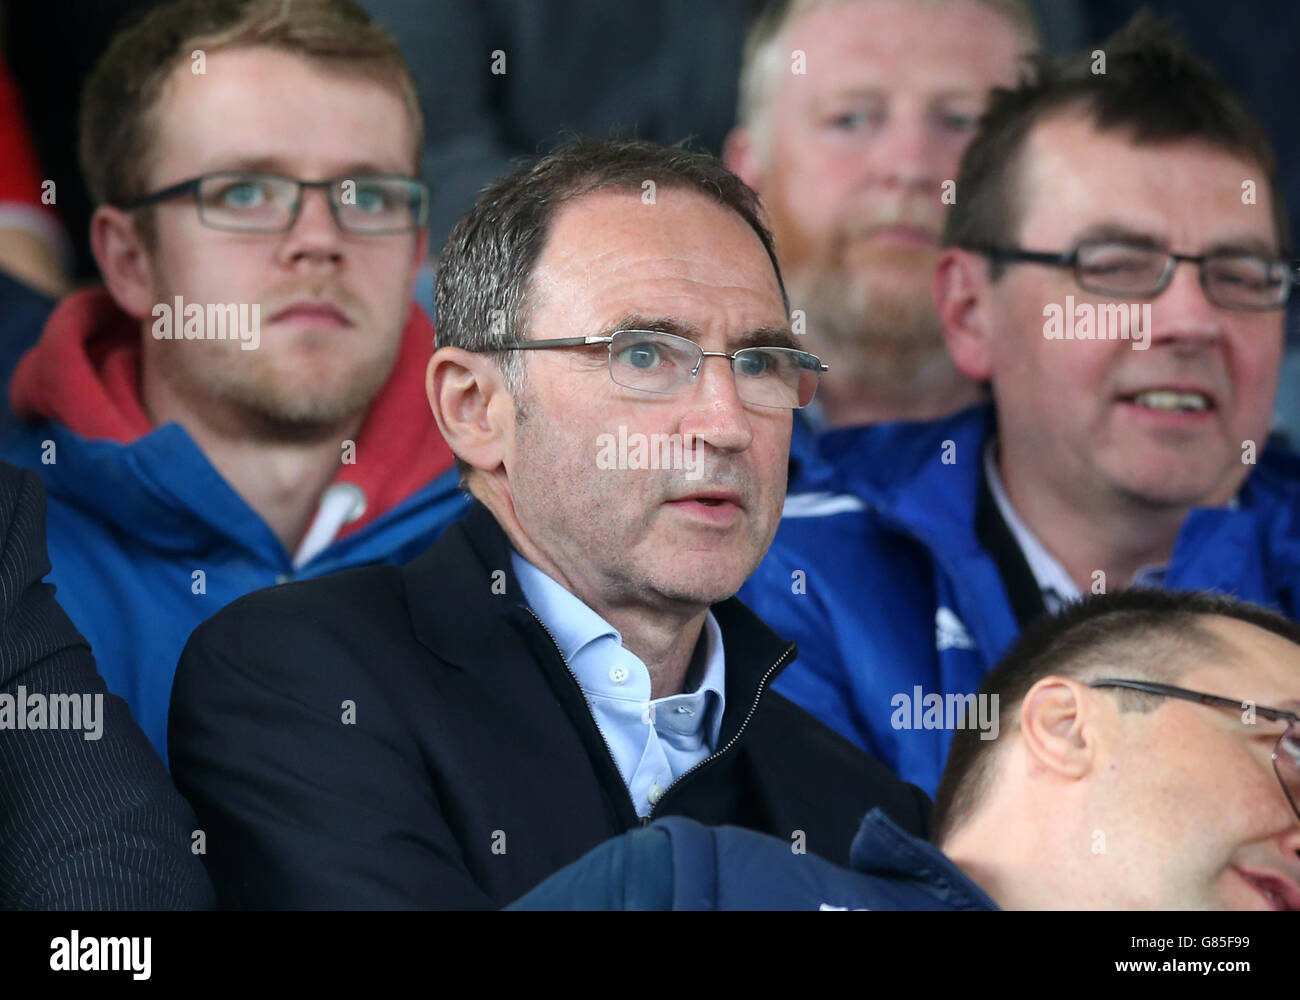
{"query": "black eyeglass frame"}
[(1218, 701), (608, 341), (1070, 259), (192, 185)]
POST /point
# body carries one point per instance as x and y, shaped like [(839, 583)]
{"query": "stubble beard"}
[(269, 400), (871, 326)]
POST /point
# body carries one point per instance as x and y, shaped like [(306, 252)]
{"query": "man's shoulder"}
[(733, 868), (313, 642), (890, 454), (351, 600), (878, 469)]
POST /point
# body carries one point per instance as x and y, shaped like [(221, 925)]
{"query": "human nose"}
[(716, 414), (908, 154), (1182, 314), (314, 234)]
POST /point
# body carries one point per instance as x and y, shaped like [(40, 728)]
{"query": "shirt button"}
[(655, 793), (618, 674), (282, 578)]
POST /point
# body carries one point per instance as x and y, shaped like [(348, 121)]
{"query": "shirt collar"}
[(1053, 581), (576, 626), (573, 624), (711, 694)]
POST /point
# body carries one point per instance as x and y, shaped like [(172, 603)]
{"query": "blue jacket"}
[(147, 539), (880, 578), (679, 864)]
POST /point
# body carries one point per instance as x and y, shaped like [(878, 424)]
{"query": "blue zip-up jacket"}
[(679, 864), (881, 580), (147, 539)]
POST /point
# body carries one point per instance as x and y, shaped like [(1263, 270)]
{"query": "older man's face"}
[(684, 535), (860, 139), (1171, 425)]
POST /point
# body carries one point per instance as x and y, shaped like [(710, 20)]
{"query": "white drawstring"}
[(340, 504)]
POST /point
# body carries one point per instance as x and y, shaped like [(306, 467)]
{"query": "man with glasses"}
[(1116, 267), (243, 403), (568, 661), (1149, 759)]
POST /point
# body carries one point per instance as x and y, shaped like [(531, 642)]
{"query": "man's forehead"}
[(888, 44), (223, 119), (1074, 177), (614, 252)]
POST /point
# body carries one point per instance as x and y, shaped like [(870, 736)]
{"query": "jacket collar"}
[(467, 607), (883, 850)]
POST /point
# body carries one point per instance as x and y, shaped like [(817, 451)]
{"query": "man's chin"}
[(1173, 488), (700, 585), (290, 404)]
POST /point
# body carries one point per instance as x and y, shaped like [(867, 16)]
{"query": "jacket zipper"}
[(608, 752), (649, 817)]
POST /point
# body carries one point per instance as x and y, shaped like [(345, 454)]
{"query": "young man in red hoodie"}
[(243, 402)]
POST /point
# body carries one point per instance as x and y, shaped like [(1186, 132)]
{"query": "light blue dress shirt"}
[(654, 741)]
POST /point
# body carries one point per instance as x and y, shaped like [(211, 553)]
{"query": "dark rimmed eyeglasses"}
[(243, 202), (1286, 754), (1115, 269), (664, 363)]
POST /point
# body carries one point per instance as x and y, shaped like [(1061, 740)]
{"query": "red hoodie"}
[(84, 373)]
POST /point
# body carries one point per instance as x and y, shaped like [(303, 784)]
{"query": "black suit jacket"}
[(407, 737), (85, 824)]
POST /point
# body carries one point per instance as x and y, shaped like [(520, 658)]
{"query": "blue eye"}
[(243, 194), (642, 355), (754, 364), (372, 199)]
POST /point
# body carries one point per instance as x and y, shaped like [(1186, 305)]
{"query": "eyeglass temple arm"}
[(1152, 687), (184, 187), (1035, 256), (532, 345)]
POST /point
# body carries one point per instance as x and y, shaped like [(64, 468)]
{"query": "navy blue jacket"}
[(679, 864), (398, 737), (882, 580)]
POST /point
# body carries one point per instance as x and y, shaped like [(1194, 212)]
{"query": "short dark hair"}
[(481, 294), (1155, 635), (1154, 88)]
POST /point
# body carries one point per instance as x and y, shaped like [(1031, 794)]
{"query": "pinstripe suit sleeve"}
[(85, 824)]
